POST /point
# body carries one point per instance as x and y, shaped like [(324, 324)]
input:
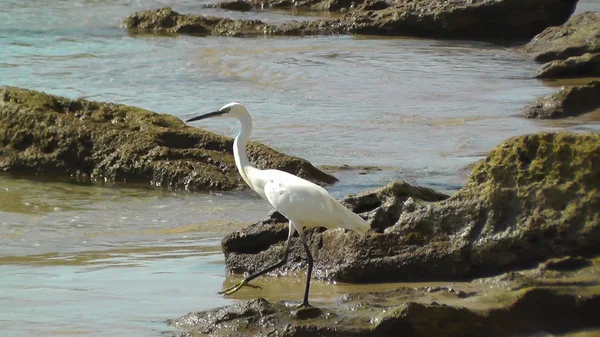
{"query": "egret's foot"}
[(237, 287)]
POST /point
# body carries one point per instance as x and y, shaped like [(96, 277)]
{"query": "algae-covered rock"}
[(578, 36), (518, 303), (586, 65), (566, 102), (50, 135), (569, 50), (486, 19), (533, 197)]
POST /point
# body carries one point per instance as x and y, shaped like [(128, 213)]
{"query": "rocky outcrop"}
[(529, 302), (484, 19), (570, 50), (165, 20), (566, 102), (42, 134), (578, 36), (533, 197)]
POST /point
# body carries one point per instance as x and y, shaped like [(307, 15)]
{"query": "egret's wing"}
[(308, 204)]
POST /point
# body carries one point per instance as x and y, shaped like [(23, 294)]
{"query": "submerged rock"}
[(532, 198), (361, 169), (486, 19), (566, 102), (42, 134), (570, 50), (518, 303)]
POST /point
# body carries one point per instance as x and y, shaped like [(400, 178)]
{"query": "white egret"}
[(300, 201)]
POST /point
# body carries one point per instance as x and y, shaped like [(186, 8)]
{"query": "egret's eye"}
[(225, 110)]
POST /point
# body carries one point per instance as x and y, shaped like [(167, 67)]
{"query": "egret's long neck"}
[(239, 149)]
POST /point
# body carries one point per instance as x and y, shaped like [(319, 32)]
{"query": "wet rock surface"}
[(569, 50), (585, 65), (485, 19), (42, 134), (567, 102), (522, 302), (534, 197)]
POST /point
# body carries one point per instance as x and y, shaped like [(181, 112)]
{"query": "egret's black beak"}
[(204, 116)]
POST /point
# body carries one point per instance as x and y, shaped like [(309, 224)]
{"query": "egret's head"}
[(231, 110)]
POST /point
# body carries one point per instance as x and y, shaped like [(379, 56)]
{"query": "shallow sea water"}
[(95, 260)]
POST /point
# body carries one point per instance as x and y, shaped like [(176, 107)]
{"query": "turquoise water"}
[(93, 260)]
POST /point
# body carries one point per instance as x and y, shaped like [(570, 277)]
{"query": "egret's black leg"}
[(308, 274), (244, 282)]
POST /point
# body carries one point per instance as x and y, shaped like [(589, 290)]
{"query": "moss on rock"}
[(86, 140)]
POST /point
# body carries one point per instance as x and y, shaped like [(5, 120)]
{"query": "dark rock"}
[(499, 306), (55, 136), (483, 19), (578, 36), (566, 102), (565, 264), (586, 65), (460, 18), (235, 5), (534, 197)]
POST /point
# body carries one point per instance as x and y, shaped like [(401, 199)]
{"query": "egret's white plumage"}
[(302, 202)]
